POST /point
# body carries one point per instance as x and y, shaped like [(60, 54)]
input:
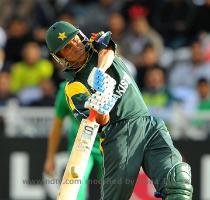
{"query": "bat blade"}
[(78, 160)]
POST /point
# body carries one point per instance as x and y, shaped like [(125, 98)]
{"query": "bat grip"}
[(92, 115)]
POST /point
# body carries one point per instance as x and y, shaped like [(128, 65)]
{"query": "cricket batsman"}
[(61, 112), (130, 137)]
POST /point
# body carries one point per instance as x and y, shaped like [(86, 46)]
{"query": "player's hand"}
[(101, 81), (49, 167), (101, 102)]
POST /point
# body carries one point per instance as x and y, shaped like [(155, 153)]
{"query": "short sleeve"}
[(76, 95), (61, 105)]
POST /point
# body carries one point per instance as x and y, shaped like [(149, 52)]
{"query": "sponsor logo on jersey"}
[(122, 87)]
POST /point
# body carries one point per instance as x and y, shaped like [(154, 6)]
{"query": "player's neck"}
[(83, 62)]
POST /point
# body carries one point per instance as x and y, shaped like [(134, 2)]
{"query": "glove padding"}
[(101, 81), (101, 102)]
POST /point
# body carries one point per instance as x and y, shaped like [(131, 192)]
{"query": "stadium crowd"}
[(165, 43)]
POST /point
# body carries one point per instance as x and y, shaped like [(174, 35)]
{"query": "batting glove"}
[(101, 81), (101, 102)]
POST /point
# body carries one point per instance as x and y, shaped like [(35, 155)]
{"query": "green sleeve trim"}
[(79, 102)]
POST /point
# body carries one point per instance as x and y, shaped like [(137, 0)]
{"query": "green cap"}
[(59, 34)]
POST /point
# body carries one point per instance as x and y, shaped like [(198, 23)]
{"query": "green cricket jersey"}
[(132, 139), (62, 110), (129, 99)]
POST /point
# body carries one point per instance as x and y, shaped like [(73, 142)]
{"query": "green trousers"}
[(130, 144)]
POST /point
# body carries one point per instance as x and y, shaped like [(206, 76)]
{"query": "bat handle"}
[(92, 115)]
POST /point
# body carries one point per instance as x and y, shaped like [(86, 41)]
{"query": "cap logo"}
[(62, 36)]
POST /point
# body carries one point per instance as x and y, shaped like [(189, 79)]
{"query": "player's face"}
[(74, 51)]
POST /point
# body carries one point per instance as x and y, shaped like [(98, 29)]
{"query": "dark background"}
[(36, 148)]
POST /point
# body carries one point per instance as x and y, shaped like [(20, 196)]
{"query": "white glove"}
[(101, 81), (101, 102)]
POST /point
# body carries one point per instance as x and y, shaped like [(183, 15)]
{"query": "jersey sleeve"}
[(103, 41), (61, 106), (76, 95)]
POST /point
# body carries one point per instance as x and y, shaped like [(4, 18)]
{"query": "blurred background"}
[(166, 46)]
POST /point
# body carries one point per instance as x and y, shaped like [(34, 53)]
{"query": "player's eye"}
[(68, 46)]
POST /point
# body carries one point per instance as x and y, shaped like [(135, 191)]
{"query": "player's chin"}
[(81, 52)]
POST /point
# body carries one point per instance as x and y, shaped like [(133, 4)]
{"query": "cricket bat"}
[(79, 157)]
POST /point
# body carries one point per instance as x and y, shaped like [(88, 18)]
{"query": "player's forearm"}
[(105, 58), (54, 138)]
